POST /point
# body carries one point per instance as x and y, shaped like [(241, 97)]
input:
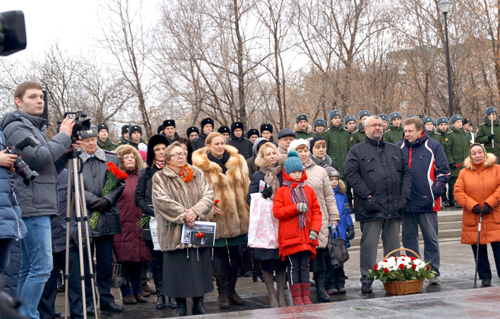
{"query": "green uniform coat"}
[(484, 131), (337, 145), (394, 134), (439, 136), (456, 147), (107, 146), (358, 136)]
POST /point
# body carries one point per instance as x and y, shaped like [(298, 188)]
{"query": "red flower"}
[(402, 255), (216, 203), (385, 260), (413, 266), (200, 234), (458, 165), (412, 258), (386, 270), (401, 266), (427, 267), (116, 171), (375, 268)]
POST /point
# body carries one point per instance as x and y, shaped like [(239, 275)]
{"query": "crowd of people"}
[(394, 175)]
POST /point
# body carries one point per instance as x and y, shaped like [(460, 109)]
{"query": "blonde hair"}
[(213, 135), (158, 145), (123, 150), (260, 160)]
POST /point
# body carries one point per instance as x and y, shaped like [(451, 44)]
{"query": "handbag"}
[(248, 260), (263, 227), (337, 250)]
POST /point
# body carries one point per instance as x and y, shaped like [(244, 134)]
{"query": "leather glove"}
[(350, 232), (453, 165), (302, 207), (267, 192), (100, 204), (491, 137), (477, 209), (150, 211), (313, 235), (486, 209)]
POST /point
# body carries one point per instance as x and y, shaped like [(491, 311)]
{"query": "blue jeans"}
[(36, 264)]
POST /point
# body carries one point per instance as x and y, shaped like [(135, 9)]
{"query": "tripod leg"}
[(69, 214), (95, 295)]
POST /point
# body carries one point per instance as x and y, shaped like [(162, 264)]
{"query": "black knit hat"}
[(223, 129), (159, 129), (168, 123), (206, 121), (134, 128), (153, 141), (252, 132), (236, 125), (315, 140), (125, 129), (191, 130), (102, 126), (266, 127)]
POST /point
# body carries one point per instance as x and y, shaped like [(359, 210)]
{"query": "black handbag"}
[(337, 250)]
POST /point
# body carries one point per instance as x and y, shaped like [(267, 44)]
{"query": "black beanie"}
[(266, 127), (191, 130), (236, 125), (125, 129), (102, 126), (168, 123), (206, 121), (252, 132), (134, 128), (159, 129), (314, 141)]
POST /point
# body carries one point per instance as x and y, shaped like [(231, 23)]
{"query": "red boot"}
[(306, 292), (296, 291)]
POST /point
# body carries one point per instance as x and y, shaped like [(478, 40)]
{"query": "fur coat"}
[(230, 189), (171, 196)]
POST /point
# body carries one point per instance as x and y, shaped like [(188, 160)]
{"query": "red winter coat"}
[(291, 239), (129, 245)]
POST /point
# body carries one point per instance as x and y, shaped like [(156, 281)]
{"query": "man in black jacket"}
[(239, 141), (381, 179)]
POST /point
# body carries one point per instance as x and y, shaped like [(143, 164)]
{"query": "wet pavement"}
[(453, 298)]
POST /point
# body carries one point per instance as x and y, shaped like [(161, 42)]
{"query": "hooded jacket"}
[(107, 146), (292, 239), (484, 130), (378, 169), (429, 173), (39, 198), (230, 189), (337, 143), (344, 212), (477, 187), (243, 145)]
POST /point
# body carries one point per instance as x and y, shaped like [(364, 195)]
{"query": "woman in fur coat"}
[(227, 174)]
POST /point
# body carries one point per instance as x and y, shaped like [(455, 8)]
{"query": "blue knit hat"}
[(349, 118), (318, 122), (455, 118), (293, 163), (411, 115), (364, 113), (427, 119), (334, 113), (490, 110), (384, 117), (395, 115), (441, 120)]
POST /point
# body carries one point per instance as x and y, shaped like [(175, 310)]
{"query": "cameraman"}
[(38, 200)]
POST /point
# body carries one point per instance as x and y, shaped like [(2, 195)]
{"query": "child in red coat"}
[(297, 209)]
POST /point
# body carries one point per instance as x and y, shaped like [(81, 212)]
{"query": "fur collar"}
[(200, 160), (341, 188), (309, 129), (99, 154), (490, 160)]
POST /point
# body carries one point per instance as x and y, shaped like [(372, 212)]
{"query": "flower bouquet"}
[(402, 274)]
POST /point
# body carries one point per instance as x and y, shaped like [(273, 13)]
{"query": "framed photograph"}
[(203, 233)]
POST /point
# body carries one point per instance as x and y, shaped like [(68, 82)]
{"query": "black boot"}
[(198, 308), (160, 303), (181, 310), (444, 199), (320, 279), (172, 303)]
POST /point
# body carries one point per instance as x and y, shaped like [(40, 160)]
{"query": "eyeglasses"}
[(178, 154), (376, 125), (128, 157)]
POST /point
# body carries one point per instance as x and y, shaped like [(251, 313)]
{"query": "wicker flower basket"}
[(404, 287)]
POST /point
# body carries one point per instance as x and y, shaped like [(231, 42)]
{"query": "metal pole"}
[(448, 65)]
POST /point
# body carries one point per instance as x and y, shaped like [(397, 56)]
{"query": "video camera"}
[(12, 32), (80, 125), (22, 169)]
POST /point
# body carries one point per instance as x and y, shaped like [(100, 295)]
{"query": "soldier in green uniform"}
[(135, 133), (103, 140), (319, 127), (485, 135), (303, 129), (428, 122), (456, 147), (359, 136), (439, 136), (350, 124), (395, 131), (125, 136), (468, 129), (385, 121)]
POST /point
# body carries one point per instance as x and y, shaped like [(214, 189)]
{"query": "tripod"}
[(76, 200)]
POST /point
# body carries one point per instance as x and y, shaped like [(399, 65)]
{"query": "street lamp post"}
[(444, 6)]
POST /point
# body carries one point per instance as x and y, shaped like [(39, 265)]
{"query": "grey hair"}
[(372, 117)]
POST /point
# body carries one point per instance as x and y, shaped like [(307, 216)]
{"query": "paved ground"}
[(453, 298)]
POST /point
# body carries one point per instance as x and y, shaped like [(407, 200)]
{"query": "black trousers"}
[(299, 267), (335, 278), (4, 253), (157, 265), (104, 268), (46, 306), (483, 263), (221, 267)]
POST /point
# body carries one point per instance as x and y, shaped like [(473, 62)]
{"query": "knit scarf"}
[(298, 195), (271, 177), (326, 160), (186, 173), (159, 165)]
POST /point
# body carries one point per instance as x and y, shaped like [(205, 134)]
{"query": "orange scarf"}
[(186, 173)]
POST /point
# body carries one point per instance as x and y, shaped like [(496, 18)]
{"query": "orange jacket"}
[(291, 239), (479, 186)]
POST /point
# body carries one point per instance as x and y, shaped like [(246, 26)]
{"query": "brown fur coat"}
[(231, 189), (171, 196)]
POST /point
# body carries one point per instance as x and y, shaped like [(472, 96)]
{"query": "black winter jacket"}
[(143, 191), (244, 146), (381, 170)]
